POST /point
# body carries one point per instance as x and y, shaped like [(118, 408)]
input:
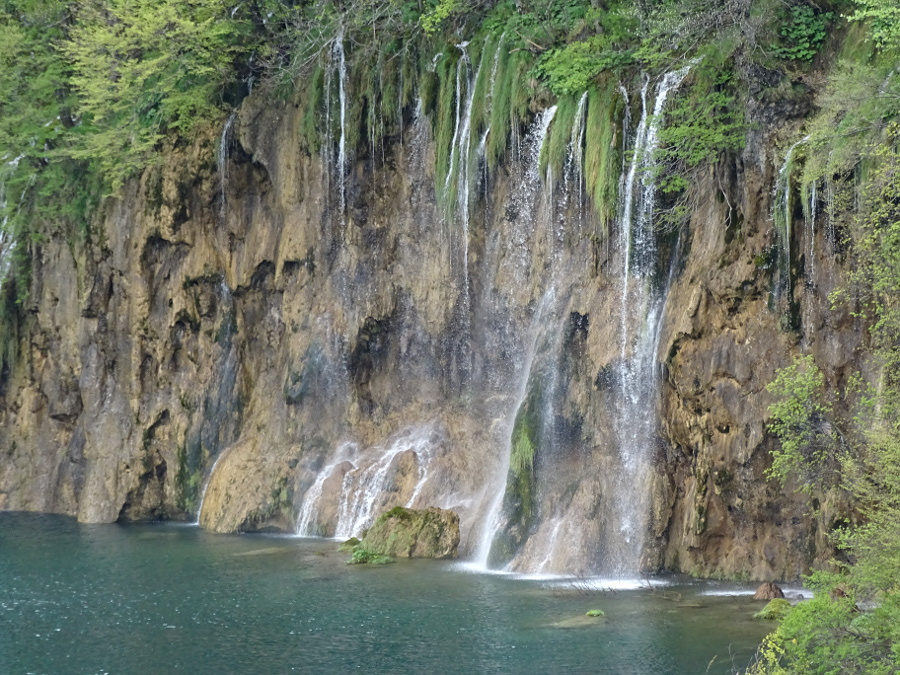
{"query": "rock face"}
[(408, 533), (235, 336)]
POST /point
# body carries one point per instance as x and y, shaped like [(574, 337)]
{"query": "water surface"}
[(163, 598)]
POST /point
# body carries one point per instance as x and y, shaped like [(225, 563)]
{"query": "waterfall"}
[(574, 170), (6, 243), (526, 201), (309, 507), (527, 194), (460, 161), (368, 484), (342, 95), (810, 213), (336, 161), (782, 216), (221, 419), (642, 304), (205, 486), (222, 160)]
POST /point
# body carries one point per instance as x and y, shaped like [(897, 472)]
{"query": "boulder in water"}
[(411, 533), (768, 591)]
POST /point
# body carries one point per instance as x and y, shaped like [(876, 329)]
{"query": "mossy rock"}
[(410, 533), (776, 610), (349, 545)]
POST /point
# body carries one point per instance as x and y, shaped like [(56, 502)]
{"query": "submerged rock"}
[(768, 591), (585, 621), (410, 533)]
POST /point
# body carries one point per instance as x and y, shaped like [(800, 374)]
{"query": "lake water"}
[(162, 598)]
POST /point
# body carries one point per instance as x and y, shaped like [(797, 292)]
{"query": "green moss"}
[(188, 479), (361, 556), (555, 150), (444, 119), (776, 610), (521, 459), (602, 153), (313, 102), (349, 545), (510, 103)]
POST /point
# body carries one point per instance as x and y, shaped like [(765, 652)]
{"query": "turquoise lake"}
[(162, 598)]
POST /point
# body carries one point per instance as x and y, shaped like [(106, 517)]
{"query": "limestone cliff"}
[(238, 333)]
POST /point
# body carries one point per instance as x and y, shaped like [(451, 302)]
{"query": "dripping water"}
[(221, 411), (342, 97), (526, 201), (222, 160), (782, 216), (336, 159), (642, 305), (573, 171), (6, 244), (366, 485)]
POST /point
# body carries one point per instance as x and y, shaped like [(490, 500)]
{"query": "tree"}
[(141, 68)]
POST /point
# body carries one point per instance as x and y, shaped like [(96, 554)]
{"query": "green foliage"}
[(506, 105), (141, 68), (799, 417), (803, 31), (775, 610), (443, 10), (359, 555), (853, 623), (830, 634), (704, 120), (570, 69), (883, 17), (603, 151)]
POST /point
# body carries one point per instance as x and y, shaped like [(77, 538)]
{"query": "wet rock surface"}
[(262, 333), (410, 533)]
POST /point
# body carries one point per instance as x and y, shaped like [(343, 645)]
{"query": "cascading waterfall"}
[(573, 172), (367, 483), (222, 159), (344, 490), (336, 161), (642, 304), (6, 244), (309, 508), (527, 201), (782, 215)]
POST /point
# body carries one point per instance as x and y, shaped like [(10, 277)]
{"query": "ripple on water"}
[(76, 598)]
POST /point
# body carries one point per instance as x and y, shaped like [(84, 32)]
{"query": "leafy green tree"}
[(142, 68), (853, 624), (884, 19)]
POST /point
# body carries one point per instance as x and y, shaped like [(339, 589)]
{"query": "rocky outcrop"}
[(409, 533), (768, 591), (230, 336)]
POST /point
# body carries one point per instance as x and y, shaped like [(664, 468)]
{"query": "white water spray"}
[(222, 160), (642, 304)]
